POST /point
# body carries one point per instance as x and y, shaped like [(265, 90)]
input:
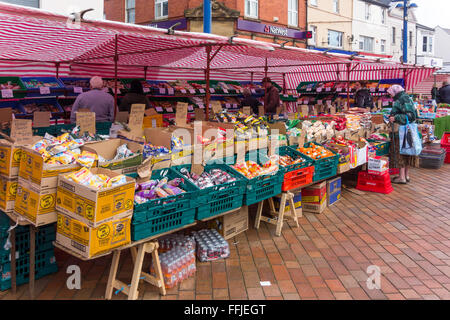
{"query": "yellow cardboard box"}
[(231, 224), (36, 206), (91, 206), (88, 241), (8, 189), (10, 154), (42, 175)]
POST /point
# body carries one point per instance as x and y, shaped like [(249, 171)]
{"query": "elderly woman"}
[(96, 100), (250, 101), (403, 108)]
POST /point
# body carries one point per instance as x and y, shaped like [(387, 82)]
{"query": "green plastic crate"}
[(262, 187), (323, 168), (45, 264), (216, 199), (294, 154), (18, 93), (160, 224), (383, 148), (160, 207)]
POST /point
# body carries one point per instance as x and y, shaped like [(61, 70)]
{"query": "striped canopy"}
[(39, 43)]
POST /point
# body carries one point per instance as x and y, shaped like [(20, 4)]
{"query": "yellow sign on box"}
[(37, 206), (88, 241), (8, 190), (9, 159), (92, 206)]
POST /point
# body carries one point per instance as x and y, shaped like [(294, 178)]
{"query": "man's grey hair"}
[(96, 82)]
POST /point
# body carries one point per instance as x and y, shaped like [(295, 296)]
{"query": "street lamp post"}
[(405, 5)]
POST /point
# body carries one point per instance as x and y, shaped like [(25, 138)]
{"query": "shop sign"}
[(252, 26)]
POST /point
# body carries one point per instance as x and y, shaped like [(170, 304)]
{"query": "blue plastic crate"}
[(69, 84), (34, 91), (45, 264), (51, 101), (160, 224)]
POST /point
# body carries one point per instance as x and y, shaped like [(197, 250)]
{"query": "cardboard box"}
[(343, 167), (315, 194), (334, 185), (378, 165), (88, 241), (315, 208), (10, 155), (333, 198), (36, 206), (43, 176), (91, 206), (107, 149), (8, 190), (297, 203), (232, 224)]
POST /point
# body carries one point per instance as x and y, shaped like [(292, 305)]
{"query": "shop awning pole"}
[(116, 58), (145, 72), (284, 83), (57, 69), (266, 68), (207, 74), (348, 85)]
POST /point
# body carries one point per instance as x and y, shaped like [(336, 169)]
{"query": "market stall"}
[(149, 173)]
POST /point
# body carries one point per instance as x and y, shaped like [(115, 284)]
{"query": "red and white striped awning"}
[(35, 42)]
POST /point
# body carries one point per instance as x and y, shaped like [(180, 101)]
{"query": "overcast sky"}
[(433, 12)]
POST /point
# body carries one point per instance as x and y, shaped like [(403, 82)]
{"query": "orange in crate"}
[(298, 178)]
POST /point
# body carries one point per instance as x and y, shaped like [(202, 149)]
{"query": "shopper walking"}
[(250, 101), (96, 100), (402, 109), (134, 96), (363, 98), (435, 93), (272, 97), (444, 93)]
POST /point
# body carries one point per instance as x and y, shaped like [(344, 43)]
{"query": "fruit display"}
[(10, 85), (208, 179), (286, 160), (251, 169), (383, 86), (31, 83), (342, 86), (318, 130), (316, 152), (111, 84), (322, 86), (32, 107), (307, 86), (71, 83)]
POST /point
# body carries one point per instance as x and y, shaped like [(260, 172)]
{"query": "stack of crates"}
[(10, 155), (45, 262), (445, 144)]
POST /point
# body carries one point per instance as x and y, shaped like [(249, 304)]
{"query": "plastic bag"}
[(410, 141)]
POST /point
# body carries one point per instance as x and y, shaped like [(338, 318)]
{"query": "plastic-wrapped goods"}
[(285, 160), (316, 152), (211, 245), (251, 169), (168, 242), (99, 181), (177, 265), (156, 189), (154, 151), (208, 179)]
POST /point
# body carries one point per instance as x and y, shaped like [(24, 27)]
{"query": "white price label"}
[(227, 105), (328, 89), (77, 89), (190, 108), (202, 90), (153, 123), (192, 91), (253, 91), (201, 106), (319, 101), (169, 109), (385, 103), (225, 90), (381, 89), (183, 91), (372, 89), (338, 89), (212, 90), (319, 89), (159, 109), (170, 91), (118, 91), (235, 106), (162, 91), (308, 89), (7, 93), (285, 95), (44, 90), (146, 90)]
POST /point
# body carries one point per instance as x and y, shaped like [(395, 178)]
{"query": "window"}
[(313, 40), (393, 35), (383, 46), (410, 39), (335, 38), (336, 6), (366, 44), (313, 2), (367, 12), (383, 16), (430, 44), (130, 11), (251, 8), (425, 44), (27, 3), (293, 13), (161, 9)]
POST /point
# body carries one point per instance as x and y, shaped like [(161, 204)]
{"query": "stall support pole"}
[(266, 69), (284, 83), (348, 85), (251, 77), (207, 75), (57, 69), (116, 59), (13, 260), (145, 72), (33, 230)]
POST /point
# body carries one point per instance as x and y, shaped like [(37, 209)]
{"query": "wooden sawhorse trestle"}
[(280, 215), (137, 253)]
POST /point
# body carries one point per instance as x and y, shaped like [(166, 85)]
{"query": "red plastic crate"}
[(374, 183), (447, 157), (298, 178), (445, 140)]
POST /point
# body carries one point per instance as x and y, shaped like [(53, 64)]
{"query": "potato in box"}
[(94, 206), (89, 241)]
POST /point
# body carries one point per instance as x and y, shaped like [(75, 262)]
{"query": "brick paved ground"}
[(406, 234)]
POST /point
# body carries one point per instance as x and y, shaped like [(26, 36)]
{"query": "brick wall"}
[(115, 10)]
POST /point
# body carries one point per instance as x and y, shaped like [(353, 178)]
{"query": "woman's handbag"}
[(410, 141)]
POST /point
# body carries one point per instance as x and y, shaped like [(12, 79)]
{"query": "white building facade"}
[(442, 46), (395, 21), (370, 27), (425, 48), (65, 7)]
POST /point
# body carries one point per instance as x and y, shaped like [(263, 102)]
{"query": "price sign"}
[(159, 109), (382, 89), (192, 91), (319, 89), (201, 106), (7, 93), (308, 89), (170, 109), (183, 91), (328, 89), (171, 91), (339, 89), (21, 131), (285, 95), (136, 118), (319, 101), (77, 89), (86, 121), (118, 91), (225, 90), (212, 90), (372, 89), (253, 91), (202, 90), (385, 103), (162, 91), (146, 90), (235, 106), (44, 90), (190, 108), (227, 105)]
